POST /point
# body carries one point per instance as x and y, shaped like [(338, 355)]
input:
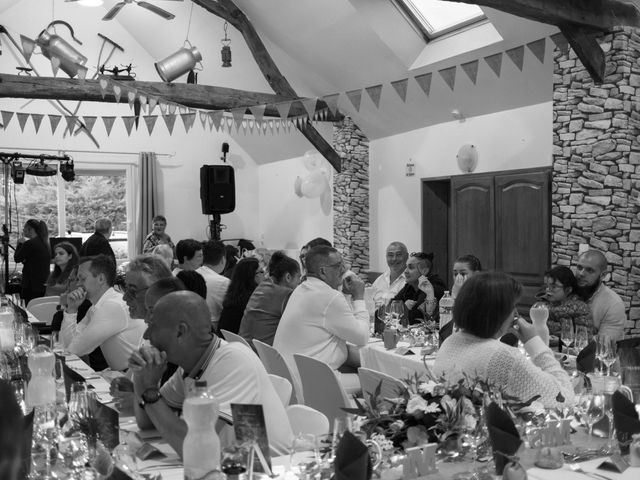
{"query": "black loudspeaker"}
[(217, 189)]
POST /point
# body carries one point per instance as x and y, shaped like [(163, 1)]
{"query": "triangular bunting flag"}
[(332, 102), (238, 115), (169, 121), (116, 92), (538, 48), (104, 83), (374, 93), (561, 42), (251, 123), (471, 69), (163, 107), (278, 124), (188, 119), (495, 62), (71, 121), (143, 102), (264, 127), (89, 122), (271, 122), (150, 120), (152, 101), (309, 105), (449, 76), (203, 118), (355, 96), (55, 65), (210, 117), (37, 120), (517, 56), (182, 109), (82, 73), (244, 126), (22, 120), (131, 96), (424, 81), (54, 120), (400, 86), (171, 108), (283, 109), (128, 123), (258, 112), (28, 46), (108, 124), (229, 123), (216, 118)]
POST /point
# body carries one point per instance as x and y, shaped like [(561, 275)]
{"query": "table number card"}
[(249, 426), (420, 461)]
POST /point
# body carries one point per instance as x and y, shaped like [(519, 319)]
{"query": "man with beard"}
[(606, 305), (393, 280)]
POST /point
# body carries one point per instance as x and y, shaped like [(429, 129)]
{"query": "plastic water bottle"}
[(41, 390), (446, 309), (201, 447), (7, 335)]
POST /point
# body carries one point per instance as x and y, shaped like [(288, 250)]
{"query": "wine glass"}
[(396, 311), (235, 460), (582, 337), (539, 312), (609, 353), (475, 434), (566, 332), (594, 410), (303, 453)]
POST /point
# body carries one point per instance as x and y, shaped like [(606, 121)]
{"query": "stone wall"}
[(351, 195), (596, 164)]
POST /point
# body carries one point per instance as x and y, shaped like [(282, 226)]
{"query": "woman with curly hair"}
[(65, 257), (247, 274)]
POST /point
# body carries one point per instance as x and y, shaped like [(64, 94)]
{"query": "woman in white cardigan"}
[(483, 312)]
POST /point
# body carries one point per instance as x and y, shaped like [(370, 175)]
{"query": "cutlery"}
[(578, 469)]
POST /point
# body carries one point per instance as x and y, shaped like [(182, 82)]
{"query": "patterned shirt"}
[(153, 240), (573, 308)]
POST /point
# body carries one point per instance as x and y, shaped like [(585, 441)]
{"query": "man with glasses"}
[(142, 272), (318, 321), (107, 323), (391, 282), (606, 305)]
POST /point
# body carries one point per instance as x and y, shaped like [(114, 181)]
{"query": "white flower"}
[(427, 387), (417, 403), (470, 422)]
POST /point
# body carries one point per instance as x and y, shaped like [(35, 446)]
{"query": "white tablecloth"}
[(376, 357)]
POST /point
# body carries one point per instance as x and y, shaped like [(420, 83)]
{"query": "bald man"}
[(179, 331), (606, 305), (392, 281)]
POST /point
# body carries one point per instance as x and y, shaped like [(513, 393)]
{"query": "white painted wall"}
[(507, 140)]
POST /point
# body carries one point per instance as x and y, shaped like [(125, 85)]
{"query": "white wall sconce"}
[(467, 158)]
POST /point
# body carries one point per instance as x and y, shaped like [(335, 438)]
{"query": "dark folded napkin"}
[(353, 461), (625, 419), (503, 435), (586, 359), (446, 331)]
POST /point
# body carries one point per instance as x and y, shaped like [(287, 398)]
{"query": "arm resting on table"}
[(163, 418)]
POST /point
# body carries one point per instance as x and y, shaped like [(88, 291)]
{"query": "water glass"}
[(582, 337), (566, 332), (539, 312), (74, 451), (608, 351), (56, 343), (304, 453)]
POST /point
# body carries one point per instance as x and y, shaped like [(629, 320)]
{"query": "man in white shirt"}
[(392, 281), (318, 321), (213, 255), (107, 323), (179, 330), (188, 254)]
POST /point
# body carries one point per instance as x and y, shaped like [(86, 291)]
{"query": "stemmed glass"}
[(608, 351), (593, 407), (582, 337), (396, 312), (304, 453), (475, 434), (566, 332)]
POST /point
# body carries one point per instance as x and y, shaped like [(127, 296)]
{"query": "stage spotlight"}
[(17, 172), (67, 171), (41, 169)]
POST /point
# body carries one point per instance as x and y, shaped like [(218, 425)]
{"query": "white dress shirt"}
[(106, 325), (216, 290), (384, 290)]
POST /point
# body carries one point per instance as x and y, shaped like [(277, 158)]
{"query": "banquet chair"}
[(304, 419), (282, 387), (321, 388), (43, 311), (390, 387), (276, 365), (35, 301), (233, 337)]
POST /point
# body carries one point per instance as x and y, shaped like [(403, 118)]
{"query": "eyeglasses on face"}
[(554, 286), (133, 291), (333, 265)]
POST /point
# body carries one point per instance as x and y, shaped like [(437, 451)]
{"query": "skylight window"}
[(435, 17)]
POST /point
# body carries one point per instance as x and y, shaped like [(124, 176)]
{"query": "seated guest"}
[(423, 289), (231, 257), (165, 252), (158, 236), (214, 262), (269, 299), (142, 272), (189, 255), (316, 242), (463, 268), (98, 243), (34, 252), (11, 433), (564, 303), (179, 330), (318, 321), (107, 323), (607, 308), (246, 277), (65, 258), (484, 311), (387, 285), (193, 282)]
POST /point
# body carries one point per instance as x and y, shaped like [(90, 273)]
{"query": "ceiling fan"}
[(152, 8)]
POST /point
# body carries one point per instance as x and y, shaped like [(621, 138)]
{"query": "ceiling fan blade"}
[(163, 13), (114, 11)]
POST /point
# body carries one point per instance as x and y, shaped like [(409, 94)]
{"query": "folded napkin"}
[(625, 419), (503, 435), (446, 331), (353, 461), (586, 359)]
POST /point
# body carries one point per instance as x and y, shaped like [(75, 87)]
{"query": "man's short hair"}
[(186, 249), (400, 245), (599, 257), (103, 225), (102, 264), (317, 258), (318, 241), (159, 218), (193, 281), (213, 252), (149, 265), (164, 286)]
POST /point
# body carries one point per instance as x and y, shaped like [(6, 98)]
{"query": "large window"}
[(435, 17)]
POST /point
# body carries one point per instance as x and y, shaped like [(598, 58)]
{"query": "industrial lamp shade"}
[(41, 169), (178, 63)]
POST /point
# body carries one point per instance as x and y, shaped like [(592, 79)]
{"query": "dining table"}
[(401, 362)]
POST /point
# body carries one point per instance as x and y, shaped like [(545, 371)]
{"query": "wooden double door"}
[(503, 218)]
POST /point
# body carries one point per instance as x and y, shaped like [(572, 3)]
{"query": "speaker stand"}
[(215, 227)]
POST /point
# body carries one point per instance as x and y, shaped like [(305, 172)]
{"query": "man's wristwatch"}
[(149, 396)]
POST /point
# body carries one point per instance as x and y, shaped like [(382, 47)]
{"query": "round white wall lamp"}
[(467, 158)]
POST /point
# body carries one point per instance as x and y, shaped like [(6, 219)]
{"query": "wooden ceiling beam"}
[(228, 11), (190, 95), (588, 51)]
